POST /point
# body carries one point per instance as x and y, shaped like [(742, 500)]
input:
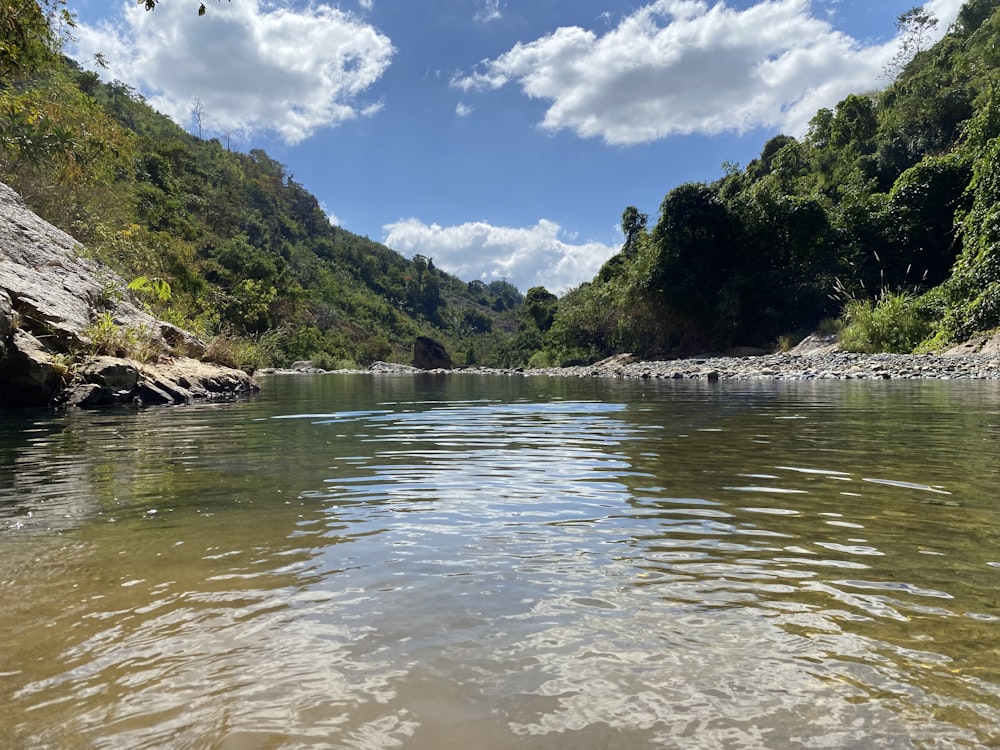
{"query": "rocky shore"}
[(831, 366), (803, 365), (52, 297)]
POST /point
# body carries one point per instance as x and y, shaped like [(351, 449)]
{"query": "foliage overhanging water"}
[(457, 562)]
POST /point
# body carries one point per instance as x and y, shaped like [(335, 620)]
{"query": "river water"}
[(440, 562)]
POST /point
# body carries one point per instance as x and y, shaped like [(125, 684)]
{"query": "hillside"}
[(224, 243), (881, 223)]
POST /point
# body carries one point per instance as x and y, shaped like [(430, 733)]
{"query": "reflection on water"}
[(469, 562)]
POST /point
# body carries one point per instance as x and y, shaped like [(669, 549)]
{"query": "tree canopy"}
[(889, 195)]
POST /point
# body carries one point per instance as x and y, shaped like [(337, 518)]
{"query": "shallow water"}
[(476, 562)]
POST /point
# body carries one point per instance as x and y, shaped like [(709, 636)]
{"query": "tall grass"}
[(247, 353), (891, 323)]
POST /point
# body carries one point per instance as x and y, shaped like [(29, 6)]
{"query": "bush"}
[(247, 353), (109, 338), (327, 361), (892, 323)]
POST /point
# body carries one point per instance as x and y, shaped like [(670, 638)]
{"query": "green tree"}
[(633, 227), (921, 222), (696, 252), (540, 307), (915, 27), (28, 42)]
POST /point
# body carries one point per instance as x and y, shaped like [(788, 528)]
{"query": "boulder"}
[(815, 344), (429, 354), (6, 317), (391, 368), (992, 346), (50, 297), (617, 360), (988, 344), (114, 374), (103, 381), (29, 374)]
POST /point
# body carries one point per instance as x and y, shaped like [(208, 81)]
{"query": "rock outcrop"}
[(982, 344), (51, 297), (429, 354)]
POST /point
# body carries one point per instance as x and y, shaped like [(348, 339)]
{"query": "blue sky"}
[(501, 139)]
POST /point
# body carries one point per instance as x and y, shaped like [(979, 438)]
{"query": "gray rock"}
[(617, 359), (49, 298), (6, 317), (29, 374), (816, 343), (429, 354), (86, 395), (182, 343), (992, 346), (392, 368), (116, 375)]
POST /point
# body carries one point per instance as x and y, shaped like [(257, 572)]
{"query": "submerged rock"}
[(50, 297)]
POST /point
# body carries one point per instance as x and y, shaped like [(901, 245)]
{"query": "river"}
[(437, 562)]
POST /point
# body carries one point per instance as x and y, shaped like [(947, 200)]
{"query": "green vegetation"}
[(884, 217), (885, 214), (226, 244), (892, 323), (108, 337)]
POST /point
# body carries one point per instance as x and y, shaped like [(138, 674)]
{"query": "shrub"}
[(327, 361), (109, 338), (891, 323), (247, 353)]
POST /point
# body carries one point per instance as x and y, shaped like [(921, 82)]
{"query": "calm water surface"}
[(470, 562)]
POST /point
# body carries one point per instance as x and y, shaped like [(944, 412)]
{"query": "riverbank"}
[(834, 365), (63, 315), (831, 366)]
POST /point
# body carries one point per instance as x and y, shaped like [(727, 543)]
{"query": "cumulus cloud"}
[(684, 66), (526, 257), (254, 66), (463, 110)]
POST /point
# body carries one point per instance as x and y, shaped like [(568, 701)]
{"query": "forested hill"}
[(224, 243), (882, 222)]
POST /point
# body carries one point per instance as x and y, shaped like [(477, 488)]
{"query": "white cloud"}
[(254, 66), (684, 66), (489, 12), (526, 257), (330, 215), (366, 4), (464, 110), (946, 11)]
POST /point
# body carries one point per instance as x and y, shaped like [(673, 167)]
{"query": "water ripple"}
[(655, 567)]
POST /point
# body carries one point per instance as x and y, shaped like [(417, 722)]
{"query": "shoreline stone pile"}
[(835, 365), (828, 366)]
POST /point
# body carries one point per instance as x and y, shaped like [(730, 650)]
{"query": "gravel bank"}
[(833, 366), (825, 366)]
